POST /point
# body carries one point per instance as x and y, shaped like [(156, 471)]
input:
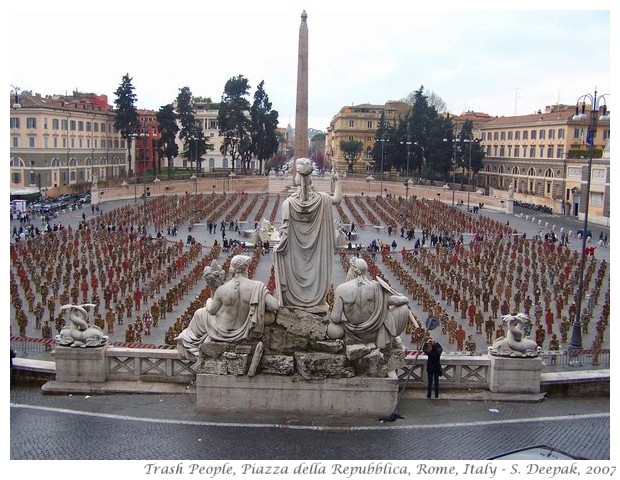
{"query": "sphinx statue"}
[(515, 343), (79, 333)]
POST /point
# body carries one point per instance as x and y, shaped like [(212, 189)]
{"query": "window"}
[(501, 151), (88, 126), (55, 142), (484, 136), (72, 124), (550, 151), (350, 138), (212, 124), (31, 142), (541, 135), (524, 134), (560, 152), (64, 124), (31, 122), (532, 152), (369, 124), (577, 132), (502, 135), (509, 151), (533, 135), (95, 127), (551, 134), (516, 151), (80, 126), (560, 133), (15, 142), (517, 135), (55, 124), (541, 151), (351, 123), (16, 177), (14, 122), (495, 136), (531, 172), (510, 135)]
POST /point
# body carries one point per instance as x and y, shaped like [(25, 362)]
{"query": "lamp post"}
[(408, 143), (576, 340), (470, 141), (453, 165), (382, 140), (407, 185)]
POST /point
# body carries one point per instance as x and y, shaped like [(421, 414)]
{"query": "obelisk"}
[(301, 109)]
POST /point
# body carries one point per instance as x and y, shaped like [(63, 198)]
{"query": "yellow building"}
[(545, 157), (59, 141), (359, 123)]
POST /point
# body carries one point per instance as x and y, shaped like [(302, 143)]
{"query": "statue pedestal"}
[(510, 206), (81, 365), (357, 396), (515, 375)]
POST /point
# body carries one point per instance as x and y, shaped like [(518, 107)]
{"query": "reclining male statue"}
[(239, 309), (368, 311)]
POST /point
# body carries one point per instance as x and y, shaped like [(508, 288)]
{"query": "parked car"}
[(85, 199), (536, 452)]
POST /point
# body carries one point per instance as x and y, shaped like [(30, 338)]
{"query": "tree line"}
[(248, 130), (423, 142)]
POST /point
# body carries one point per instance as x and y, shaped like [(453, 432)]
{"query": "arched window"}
[(72, 162), (515, 170), (17, 162), (531, 172), (55, 162), (549, 173)]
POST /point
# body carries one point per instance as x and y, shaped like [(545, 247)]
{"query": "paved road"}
[(166, 427)]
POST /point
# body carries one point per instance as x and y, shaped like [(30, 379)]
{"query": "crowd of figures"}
[(133, 280), (136, 281), (499, 272)]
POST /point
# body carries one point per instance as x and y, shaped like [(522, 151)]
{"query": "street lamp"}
[(575, 340), (408, 143), (453, 165), (382, 140), (407, 185)]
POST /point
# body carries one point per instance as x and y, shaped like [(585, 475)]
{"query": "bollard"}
[(539, 222), (527, 217), (546, 224)]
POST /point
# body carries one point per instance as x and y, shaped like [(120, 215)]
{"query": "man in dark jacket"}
[(433, 350)]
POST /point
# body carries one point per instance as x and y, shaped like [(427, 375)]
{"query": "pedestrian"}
[(433, 350)]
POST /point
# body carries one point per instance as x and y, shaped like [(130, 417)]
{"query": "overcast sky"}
[(485, 59)]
